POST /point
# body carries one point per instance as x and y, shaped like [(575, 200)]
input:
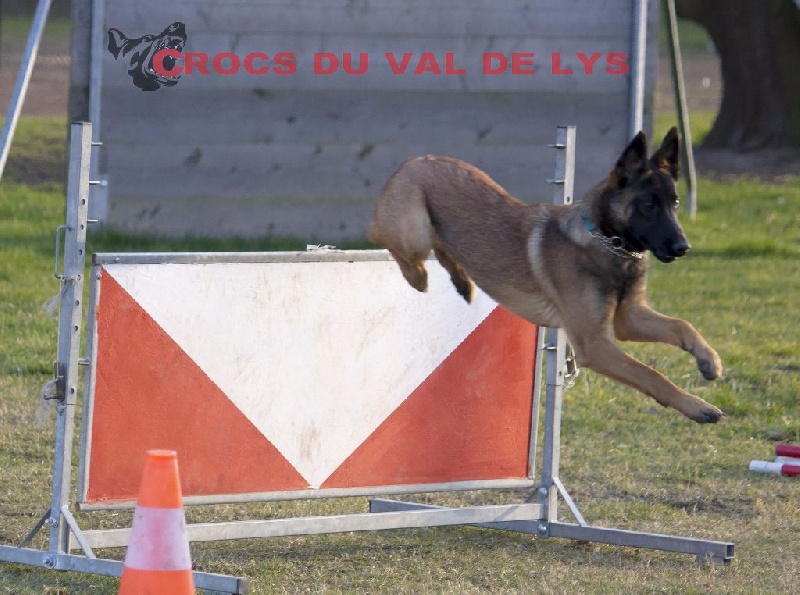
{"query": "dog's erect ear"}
[(667, 158), (116, 41), (632, 163)]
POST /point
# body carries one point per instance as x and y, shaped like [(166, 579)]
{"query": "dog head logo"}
[(140, 53)]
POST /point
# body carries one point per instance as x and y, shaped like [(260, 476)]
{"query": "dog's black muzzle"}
[(672, 250)]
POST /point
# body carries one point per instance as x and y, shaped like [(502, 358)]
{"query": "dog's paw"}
[(465, 289), (710, 416), (416, 275), (710, 366), (705, 413)]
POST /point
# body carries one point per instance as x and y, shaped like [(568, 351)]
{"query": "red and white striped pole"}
[(775, 468), (786, 463), (787, 460), (787, 450)]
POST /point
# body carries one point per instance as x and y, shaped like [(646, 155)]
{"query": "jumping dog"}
[(581, 267)]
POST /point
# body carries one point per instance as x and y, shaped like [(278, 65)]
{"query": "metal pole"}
[(687, 153), (639, 57), (69, 328), (563, 184), (96, 63), (23, 78), (99, 192), (556, 347), (536, 404), (564, 180)]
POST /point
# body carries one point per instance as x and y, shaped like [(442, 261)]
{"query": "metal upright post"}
[(556, 347), (69, 327), (98, 205), (555, 344), (687, 153), (638, 67), (564, 180), (563, 184), (536, 405)]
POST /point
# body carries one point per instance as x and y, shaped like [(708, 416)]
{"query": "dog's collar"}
[(613, 244)]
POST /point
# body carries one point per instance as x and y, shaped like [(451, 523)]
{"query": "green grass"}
[(628, 463), (700, 123), (16, 28), (693, 38), (38, 151)]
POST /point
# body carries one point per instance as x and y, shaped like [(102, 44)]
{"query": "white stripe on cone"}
[(158, 540)]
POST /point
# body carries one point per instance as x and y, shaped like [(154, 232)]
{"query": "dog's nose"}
[(681, 247)]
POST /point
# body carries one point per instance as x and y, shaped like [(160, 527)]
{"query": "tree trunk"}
[(758, 43)]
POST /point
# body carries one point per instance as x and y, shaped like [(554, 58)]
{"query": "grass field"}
[(628, 464)]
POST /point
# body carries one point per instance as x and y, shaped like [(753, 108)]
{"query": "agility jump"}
[(536, 360)]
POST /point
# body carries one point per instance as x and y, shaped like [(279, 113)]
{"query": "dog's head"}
[(640, 201), (141, 51)]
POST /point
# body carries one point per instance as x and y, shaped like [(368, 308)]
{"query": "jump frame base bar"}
[(113, 568), (401, 518), (716, 552)]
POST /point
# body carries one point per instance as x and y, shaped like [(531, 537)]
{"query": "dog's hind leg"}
[(413, 270), (401, 223), (458, 276)]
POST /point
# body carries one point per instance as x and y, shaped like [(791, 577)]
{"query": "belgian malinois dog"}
[(581, 267)]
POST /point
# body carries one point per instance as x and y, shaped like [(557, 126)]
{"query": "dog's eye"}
[(650, 204)]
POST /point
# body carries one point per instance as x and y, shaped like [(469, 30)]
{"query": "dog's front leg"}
[(599, 352), (638, 322)]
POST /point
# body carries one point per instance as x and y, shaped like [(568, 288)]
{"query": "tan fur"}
[(540, 262)]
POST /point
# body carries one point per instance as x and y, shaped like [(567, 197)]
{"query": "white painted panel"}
[(316, 390)]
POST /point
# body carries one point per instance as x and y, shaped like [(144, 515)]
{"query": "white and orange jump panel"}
[(300, 374)]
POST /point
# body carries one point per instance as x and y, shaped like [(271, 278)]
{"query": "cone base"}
[(156, 582)]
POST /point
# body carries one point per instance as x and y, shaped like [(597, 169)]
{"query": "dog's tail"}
[(116, 42)]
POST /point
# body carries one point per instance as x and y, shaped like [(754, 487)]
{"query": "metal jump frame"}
[(538, 515)]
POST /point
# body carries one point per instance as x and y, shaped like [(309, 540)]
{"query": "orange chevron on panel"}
[(469, 420), (155, 397)]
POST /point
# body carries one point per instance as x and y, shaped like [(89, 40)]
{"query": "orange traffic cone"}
[(158, 559)]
